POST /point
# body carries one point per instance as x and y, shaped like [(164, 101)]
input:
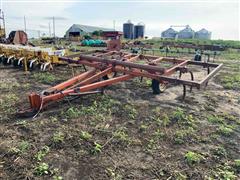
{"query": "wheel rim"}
[(110, 75), (162, 87)]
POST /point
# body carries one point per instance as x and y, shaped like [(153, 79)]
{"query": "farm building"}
[(76, 31), (169, 33), (203, 34)]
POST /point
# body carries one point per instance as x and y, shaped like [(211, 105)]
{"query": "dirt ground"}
[(127, 133)]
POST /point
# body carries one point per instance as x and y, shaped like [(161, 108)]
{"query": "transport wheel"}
[(15, 62), (1, 59), (5, 61), (33, 66), (109, 75), (158, 87)]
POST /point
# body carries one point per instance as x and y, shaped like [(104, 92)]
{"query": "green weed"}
[(7, 102), (237, 164), (21, 148), (231, 81), (85, 135), (193, 158), (113, 175), (227, 175), (58, 137), (226, 130), (97, 148), (121, 135), (143, 127), (159, 134), (215, 119), (57, 178), (182, 118), (42, 153), (42, 169), (182, 135), (130, 111), (165, 120), (220, 152), (44, 77)]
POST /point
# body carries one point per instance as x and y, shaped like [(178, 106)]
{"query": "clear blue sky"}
[(220, 17)]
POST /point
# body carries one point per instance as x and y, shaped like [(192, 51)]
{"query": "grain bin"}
[(203, 34), (186, 33), (128, 30), (169, 33), (139, 30)]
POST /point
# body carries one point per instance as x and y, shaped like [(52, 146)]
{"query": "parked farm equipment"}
[(110, 67), (28, 58)]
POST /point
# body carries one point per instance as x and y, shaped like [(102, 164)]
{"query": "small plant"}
[(227, 175), (237, 164), (143, 127), (57, 178), (97, 148), (72, 113), (40, 154), (121, 135), (180, 176), (166, 121), (178, 115), (42, 169), (215, 119), (225, 130), (58, 137), (131, 111), (182, 135), (113, 174), (231, 81), (220, 151), (158, 134), (21, 148), (85, 135), (193, 158), (151, 144), (44, 77), (24, 146)]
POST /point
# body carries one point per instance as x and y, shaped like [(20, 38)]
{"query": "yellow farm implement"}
[(30, 58)]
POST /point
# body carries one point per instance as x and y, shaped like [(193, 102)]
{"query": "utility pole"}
[(49, 26), (114, 25), (25, 26), (53, 27), (3, 34)]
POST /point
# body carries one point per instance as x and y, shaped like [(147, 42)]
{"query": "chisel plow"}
[(111, 67)]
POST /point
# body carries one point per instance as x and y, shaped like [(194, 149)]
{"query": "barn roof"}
[(88, 29), (187, 29), (203, 30), (170, 30)]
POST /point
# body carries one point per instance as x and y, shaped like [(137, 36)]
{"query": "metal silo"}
[(139, 31), (169, 33), (128, 30), (186, 33), (203, 34)]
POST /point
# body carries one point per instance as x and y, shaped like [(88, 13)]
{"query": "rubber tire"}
[(15, 62), (106, 77), (5, 59), (1, 59), (34, 66), (155, 86)]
